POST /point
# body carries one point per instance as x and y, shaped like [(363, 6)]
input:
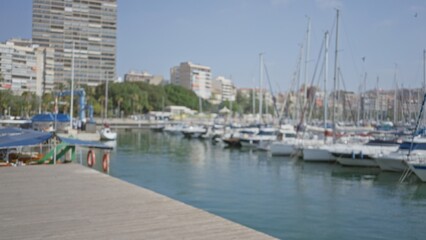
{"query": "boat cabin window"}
[(267, 133), (416, 146)]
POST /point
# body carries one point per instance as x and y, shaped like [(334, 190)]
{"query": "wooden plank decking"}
[(70, 201)]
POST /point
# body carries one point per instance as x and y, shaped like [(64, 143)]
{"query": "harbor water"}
[(283, 197)]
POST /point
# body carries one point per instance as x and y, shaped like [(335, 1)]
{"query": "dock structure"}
[(70, 201)]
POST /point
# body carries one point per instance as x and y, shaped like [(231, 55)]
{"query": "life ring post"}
[(91, 158), (105, 162)]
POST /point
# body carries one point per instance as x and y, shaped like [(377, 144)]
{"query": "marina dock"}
[(70, 201)]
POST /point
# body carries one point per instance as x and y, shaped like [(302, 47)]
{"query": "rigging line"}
[(274, 101), (314, 76), (312, 82), (291, 87), (351, 51), (404, 105), (318, 84), (417, 125), (349, 102)]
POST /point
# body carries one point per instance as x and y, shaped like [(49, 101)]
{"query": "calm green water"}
[(282, 197)]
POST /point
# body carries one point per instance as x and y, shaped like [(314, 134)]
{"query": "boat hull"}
[(317, 155), (357, 162), (282, 149), (107, 134), (419, 169), (392, 165)]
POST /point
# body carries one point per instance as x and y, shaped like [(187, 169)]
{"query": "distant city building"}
[(83, 29), (134, 76), (223, 89), (178, 111), (194, 77), (25, 67)]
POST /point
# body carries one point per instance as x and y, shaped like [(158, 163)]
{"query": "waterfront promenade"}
[(70, 201)]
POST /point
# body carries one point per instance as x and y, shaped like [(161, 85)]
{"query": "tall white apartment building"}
[(224, 89), (85, 29), (194, 77), (25, 67)]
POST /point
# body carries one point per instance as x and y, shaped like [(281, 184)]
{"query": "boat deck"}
[(69, 201)]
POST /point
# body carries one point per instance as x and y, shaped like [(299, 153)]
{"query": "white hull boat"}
[(108, 134), (419, 168), (175, 129), (194, 131), (318, 154), (284, 148), (395, 161)]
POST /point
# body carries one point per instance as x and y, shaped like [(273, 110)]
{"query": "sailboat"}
[(106, 132)]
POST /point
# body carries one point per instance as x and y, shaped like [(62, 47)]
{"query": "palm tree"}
[(119, 101), (102, 102), (135, 102), (27, 96)]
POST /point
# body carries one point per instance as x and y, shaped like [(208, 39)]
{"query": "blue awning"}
[(10, 130), (25, 138), (16, 137), (51, 117)]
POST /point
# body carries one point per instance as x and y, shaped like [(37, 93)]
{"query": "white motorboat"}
[(264, 136), (418, 166), (194, 131), (395, 161), (322, 152), (286, 147), (233, 139), (107, 134), (364, 155), (174, 129), (319, 153)]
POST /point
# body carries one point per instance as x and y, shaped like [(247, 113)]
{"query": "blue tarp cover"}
[(10, 130), (50, 117), (16, 137), (25, 138)]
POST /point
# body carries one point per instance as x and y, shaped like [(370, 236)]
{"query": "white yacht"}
[(418, 166), (174, 129), (232, 139), (364, 155), (395, 161), (319, 153), (194, 131), (286, 142), (107, 134), (322, 152), (264, 136)]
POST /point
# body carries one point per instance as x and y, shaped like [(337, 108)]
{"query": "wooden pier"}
[(70, 201)]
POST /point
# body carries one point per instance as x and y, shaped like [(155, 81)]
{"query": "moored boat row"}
[(365, 150)]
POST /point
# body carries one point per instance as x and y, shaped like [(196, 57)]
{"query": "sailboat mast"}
[(335, 76), (72, 86), (424, 71), (106, 97), (298, 107), (253, 94), (424, 80), (325, 102), (305, 92), (395, 98), (260, 84)]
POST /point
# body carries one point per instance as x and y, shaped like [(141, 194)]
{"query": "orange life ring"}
[(91, 158), (105, 162)]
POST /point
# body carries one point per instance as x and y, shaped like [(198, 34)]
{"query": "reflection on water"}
[(280, 196)]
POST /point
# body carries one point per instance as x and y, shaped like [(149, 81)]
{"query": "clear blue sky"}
[(228, 35)]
